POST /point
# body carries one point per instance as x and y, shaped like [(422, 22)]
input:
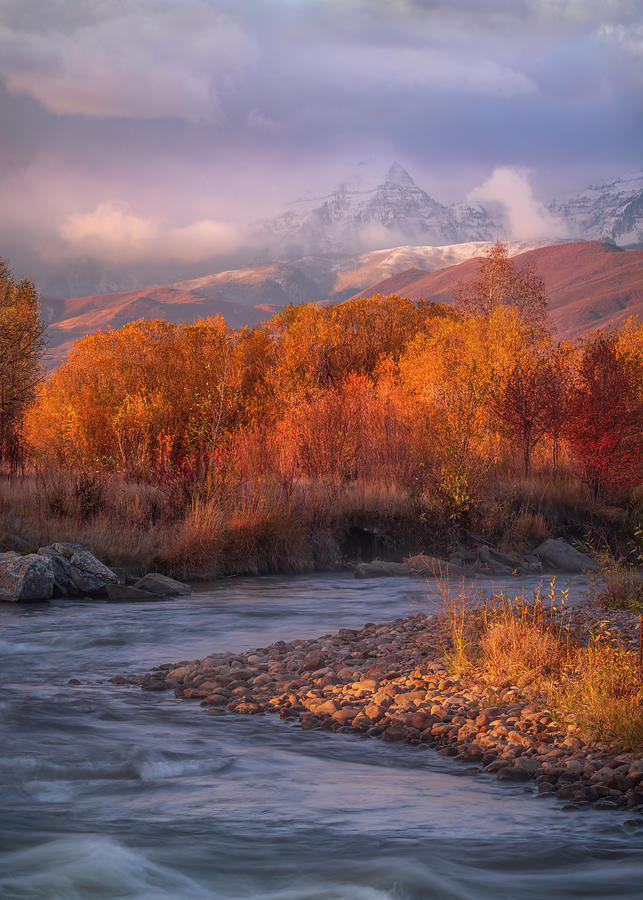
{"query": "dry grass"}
[(604, 693), (242, 526), (251, 525), (506, 642)]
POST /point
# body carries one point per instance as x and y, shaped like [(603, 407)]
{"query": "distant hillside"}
[(84, 315), (590, 284), (245, 296)]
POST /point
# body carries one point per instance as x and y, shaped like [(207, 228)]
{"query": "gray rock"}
[(66, 549), (89, 573), (555, 553), (28, 577), (380, 568), (531, 563), (162, 585), (122, 574), (8, 556), (64, 584), (529, 765), (494, 558), (126, 592)]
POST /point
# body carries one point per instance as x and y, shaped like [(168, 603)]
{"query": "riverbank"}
[(393, 681), (270, 525)]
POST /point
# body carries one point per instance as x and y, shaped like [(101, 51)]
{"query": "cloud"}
[(145, 59), (527, 218), (112, 232), (360, 67)]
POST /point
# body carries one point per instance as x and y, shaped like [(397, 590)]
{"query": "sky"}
[(137, 130)]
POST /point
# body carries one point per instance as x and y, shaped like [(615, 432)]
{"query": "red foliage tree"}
[(605, 427)]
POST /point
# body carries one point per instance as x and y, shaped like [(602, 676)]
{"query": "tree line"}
[(421, 394)]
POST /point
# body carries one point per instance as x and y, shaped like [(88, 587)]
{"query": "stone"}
[(555, 553), (89, 573), (312, 661), (64, 584), (122, 574), (345, 715), (491, 556), (66, 549), (123, 592), (380, 568), (29, 577), (162, 585)]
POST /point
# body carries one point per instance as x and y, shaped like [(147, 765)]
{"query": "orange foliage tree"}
[(150, 399), (21, 348)]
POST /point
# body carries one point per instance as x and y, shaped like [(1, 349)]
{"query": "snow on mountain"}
[(364, 269), (351, 220), (606, 212)]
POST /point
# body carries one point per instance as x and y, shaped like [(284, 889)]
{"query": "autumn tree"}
[(523, 399), (501, 282), (449, 374), (152, 399), (21, 348), (318, 347), (605, 429)]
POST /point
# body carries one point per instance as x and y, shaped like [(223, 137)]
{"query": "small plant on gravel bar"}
[(462, 612), (604, 691)]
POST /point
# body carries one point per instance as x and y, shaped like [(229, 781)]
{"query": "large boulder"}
[(66, 548), (162, 585), (64, 584), (555, 553), (28, 577), (89, 573)]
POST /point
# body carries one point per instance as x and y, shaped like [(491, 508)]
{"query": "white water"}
[(111, 792)]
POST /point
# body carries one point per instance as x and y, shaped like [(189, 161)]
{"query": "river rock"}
[(89, 573), (555, 553), (127, 592), (29, 577), (496, 563), (64, 583), (66, 548), (380, 567), (162, 585)]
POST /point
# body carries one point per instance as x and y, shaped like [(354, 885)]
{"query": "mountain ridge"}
[(590, 284), (580, 274)]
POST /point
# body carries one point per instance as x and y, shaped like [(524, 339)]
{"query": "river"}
[(110, 792)]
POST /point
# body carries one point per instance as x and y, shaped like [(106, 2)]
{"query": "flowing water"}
[(111, 792)]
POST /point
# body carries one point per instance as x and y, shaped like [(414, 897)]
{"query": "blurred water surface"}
[(110, 792)]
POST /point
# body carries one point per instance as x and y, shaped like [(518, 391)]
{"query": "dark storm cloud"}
[(164, 120)]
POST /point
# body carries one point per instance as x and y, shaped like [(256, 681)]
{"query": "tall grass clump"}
[(532, 647)]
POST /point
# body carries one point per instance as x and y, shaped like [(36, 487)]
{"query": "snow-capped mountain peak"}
[(606, 212), (397, 174), (351, 220)]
